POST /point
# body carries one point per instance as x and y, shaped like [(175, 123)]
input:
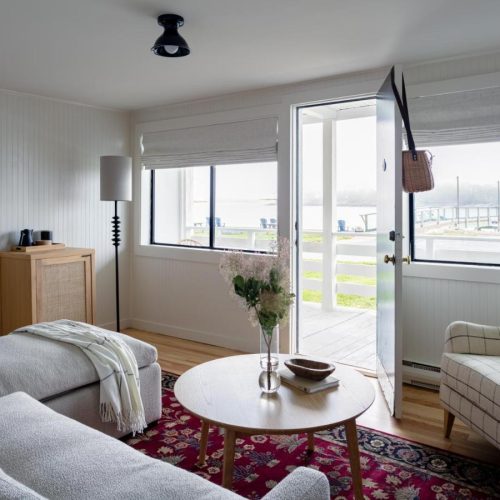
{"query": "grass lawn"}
[(343, 299), (237, 235), (342, 278)]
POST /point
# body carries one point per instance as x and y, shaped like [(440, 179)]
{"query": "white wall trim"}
[(65, 101), (454, 272), (206, 256), (462, 84), (111, 325), (212, 338)]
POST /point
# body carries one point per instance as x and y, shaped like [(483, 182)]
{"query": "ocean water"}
[(249, 213)]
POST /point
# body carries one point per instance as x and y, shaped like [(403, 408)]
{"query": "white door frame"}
[(346, 89)]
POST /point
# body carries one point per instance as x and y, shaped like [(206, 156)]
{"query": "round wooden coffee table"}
[(225, 392)]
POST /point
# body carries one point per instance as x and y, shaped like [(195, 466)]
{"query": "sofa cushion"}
[(61, 459), (10, 489), (475, 377), (46, 368)]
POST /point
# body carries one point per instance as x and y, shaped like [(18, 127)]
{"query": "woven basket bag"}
[(417, 165)]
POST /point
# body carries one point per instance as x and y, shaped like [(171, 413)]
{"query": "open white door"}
[(389, 244)]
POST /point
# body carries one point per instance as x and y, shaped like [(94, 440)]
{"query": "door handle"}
[(407, 260), (388, 259)]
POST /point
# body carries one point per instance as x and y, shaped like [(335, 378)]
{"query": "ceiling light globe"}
[(172, 49)]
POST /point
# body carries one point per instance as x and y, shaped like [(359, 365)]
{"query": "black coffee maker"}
[(26, 239)]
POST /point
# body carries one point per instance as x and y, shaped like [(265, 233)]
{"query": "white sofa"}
[(62, 377), (46, 455), (470, 378)]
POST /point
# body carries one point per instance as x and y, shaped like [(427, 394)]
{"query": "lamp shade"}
[(116, 178)]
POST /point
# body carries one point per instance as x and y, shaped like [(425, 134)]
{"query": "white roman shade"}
[(458, 118), (220, 144)]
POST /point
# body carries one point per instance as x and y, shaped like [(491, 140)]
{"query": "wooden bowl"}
[(309, 368)]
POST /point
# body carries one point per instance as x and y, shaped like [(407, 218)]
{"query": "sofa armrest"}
[(10, 489), (470, 338), (302, 484)]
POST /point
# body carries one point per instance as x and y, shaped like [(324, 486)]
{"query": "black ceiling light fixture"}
[(170, 43)]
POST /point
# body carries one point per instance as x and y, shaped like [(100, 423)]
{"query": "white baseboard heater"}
[(421, 375)]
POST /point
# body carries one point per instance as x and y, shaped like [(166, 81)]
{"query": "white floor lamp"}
[(116, 185)]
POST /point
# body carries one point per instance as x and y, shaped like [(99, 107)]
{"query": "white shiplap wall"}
[(49, 179), (189, 300), (436, 295)]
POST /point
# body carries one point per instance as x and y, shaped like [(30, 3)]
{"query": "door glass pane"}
[(246, 215), (182, 206)]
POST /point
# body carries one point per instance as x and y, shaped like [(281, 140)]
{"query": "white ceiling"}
[(98, 51)]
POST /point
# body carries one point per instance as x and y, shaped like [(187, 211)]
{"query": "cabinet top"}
[(50, 253)]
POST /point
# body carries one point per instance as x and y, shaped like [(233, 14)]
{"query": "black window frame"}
[(211, 239), (411, 206)]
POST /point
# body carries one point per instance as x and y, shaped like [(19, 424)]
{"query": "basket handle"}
[(403, 108)]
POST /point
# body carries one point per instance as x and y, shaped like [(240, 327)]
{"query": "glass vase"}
[(269, 378)]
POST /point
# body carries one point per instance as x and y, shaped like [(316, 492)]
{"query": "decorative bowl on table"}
[(310, 368)]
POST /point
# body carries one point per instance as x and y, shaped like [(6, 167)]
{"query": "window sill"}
[(189, 254), (454, 272)]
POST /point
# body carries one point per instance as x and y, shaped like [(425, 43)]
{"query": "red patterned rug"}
[(392, 467)]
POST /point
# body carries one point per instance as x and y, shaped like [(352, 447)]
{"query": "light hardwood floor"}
[(422, 415)]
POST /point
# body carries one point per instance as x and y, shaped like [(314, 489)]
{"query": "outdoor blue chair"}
[(263, 223), (273, 223), (218, 222)]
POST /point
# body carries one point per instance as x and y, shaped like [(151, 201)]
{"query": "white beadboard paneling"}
[(189, 300), (49, 179), (431, 304)]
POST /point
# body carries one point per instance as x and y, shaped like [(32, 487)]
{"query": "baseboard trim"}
[(111, 325), (244, 345)]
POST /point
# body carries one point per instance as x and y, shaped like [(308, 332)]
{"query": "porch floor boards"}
[(344, 335)]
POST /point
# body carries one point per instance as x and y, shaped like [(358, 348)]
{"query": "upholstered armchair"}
[(470, 378)]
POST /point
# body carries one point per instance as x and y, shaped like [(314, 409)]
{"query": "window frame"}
[(211, 238), (411, 209)]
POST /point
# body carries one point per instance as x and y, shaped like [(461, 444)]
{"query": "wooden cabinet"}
[(45, 286)]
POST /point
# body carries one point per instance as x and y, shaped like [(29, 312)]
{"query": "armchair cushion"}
[(476, 378), (470, 377), (471, 338)]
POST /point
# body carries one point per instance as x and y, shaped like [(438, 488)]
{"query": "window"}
[(220, 207), (458, 221)]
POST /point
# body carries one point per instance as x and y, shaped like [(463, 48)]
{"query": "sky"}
[(355, 154), (238, 182)]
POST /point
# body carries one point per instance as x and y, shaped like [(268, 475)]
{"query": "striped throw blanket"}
[(115, 363)]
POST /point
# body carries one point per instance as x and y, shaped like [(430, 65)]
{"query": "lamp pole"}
[(116, 242)]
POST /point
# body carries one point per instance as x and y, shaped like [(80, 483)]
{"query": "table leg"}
[(310, 442), (352, 446), (228, 465), (449, 418), (205, 426)]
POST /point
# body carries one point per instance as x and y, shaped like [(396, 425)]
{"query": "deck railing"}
[(476, 217), (351, 257), (350, 263)]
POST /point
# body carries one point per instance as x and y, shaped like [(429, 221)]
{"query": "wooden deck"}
[(344, 335)]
